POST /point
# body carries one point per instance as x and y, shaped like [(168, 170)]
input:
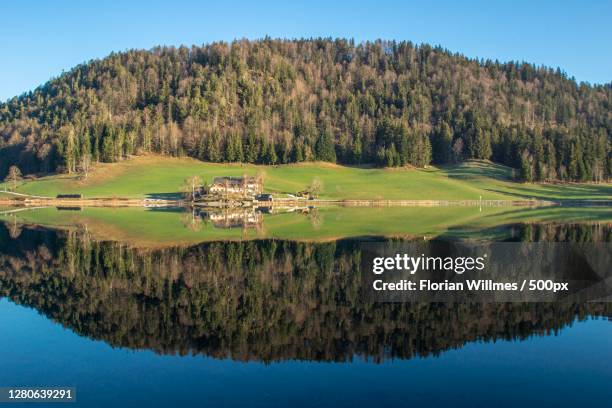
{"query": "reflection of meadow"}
[(165, 226)]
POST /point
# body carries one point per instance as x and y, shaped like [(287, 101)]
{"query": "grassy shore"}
[(161, 177)]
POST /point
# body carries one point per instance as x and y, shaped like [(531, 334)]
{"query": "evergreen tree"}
[(324, 148)]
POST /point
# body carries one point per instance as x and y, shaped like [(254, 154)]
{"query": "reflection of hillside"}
[(257, 300)]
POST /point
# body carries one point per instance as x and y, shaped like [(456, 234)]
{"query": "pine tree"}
[(441, 144), (324, 148), (213, 148)]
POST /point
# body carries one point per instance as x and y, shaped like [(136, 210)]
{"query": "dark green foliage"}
[(441, 144), (324, 147), (280, 101)]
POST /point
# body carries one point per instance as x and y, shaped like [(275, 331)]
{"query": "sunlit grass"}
[(153, 176)]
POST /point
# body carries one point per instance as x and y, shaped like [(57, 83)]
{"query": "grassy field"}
[(165, 227), (161, 177)]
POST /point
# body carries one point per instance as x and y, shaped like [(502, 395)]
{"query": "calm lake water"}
[(273, 322)]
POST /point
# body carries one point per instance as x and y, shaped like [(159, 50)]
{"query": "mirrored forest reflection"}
[(259, 300)]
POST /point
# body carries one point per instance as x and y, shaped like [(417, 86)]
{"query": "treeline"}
[(283, 101)]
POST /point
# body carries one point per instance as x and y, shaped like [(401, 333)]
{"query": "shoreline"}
[(111, 202)]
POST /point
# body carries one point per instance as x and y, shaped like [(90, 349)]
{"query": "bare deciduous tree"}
[(259, 177), (85, 165), (191, 186), (315, 188), (13, 176), (244, 184)]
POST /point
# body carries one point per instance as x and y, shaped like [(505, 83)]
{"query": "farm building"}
[(236, 185)]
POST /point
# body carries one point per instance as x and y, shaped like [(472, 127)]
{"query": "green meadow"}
[(163, 227), (161, 177)]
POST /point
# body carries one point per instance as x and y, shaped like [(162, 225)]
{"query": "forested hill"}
[(281, 101)]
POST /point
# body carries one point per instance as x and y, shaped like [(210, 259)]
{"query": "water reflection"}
[(236, 217), (264, 300)]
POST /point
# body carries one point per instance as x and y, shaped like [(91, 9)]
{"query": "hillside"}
[(283, 101), (162, 177)]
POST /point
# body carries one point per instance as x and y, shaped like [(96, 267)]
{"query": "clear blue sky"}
[(40, 39)]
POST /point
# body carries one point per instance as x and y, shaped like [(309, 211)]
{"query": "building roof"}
[(233, 180)]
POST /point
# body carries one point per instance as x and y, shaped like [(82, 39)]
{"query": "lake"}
[(168, 307)]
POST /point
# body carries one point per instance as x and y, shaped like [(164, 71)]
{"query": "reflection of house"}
[(236, 185), (234, 218)]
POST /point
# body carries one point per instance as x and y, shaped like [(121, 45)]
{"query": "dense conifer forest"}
[(284, 101)]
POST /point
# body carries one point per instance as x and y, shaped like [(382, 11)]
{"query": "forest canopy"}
[(282, 101)]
